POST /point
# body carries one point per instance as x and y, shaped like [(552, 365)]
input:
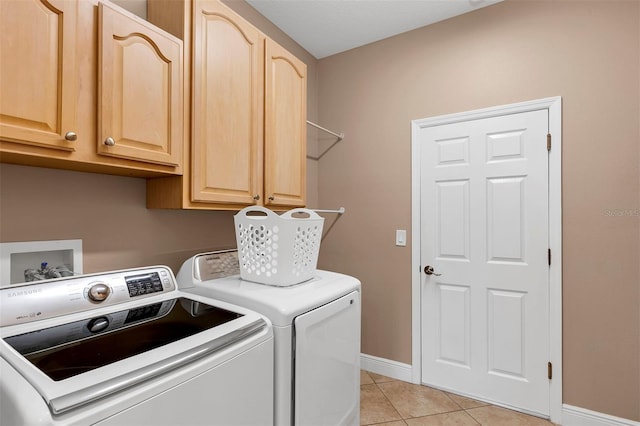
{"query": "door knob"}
[(430, 271)]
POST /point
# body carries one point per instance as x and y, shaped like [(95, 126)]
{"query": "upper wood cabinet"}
[(248, 113), (74, 74), (38, 73), (226, 157), (285, 127), (140, 97)]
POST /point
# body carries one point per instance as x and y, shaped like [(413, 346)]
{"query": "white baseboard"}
[(576, 416), (386, 367)]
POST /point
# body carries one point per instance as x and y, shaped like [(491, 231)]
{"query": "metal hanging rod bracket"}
[(339, 136), (341, 210)]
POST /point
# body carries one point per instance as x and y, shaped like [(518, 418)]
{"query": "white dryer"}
[(316, 330)]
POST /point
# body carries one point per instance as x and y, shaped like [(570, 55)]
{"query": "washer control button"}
[(98, 292), (96, 325)]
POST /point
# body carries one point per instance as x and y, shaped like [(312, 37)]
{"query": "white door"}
[(484, 229)]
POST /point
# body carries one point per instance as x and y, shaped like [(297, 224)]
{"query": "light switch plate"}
[(401, 237)]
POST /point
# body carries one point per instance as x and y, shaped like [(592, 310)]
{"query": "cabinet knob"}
[(271, 198), (109, 141), (71, 136), (256, 197)]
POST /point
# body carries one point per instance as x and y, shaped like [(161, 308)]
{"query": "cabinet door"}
[(140, 97), (285, 128), (38, 72), (226, 155)]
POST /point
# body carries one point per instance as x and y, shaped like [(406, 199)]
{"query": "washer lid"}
[(66, 350), (71, 366), (280, 304)]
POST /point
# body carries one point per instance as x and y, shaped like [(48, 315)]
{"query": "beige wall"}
[(108, 214), (585, 51), (138, 7)]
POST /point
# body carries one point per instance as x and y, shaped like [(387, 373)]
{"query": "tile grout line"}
[(473, 418), (388, 400), (460, 408), (385, 397)]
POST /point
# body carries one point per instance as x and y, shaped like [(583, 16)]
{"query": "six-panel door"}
[(484, 229)]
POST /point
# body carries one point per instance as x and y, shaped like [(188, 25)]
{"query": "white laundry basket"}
[(279, 250)]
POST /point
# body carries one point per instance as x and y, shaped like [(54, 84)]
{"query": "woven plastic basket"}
[(277, 250)]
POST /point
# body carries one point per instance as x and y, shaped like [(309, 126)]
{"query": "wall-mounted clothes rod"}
[(341, 210), (339, 136)]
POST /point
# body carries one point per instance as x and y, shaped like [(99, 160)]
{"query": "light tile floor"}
[(390, 402)]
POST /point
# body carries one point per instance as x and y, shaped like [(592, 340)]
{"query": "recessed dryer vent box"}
[(15, 258)]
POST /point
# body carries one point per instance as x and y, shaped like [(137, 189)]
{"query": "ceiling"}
[(327, 27)]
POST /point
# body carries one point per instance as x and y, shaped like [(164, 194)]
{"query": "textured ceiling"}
[(327, 27)]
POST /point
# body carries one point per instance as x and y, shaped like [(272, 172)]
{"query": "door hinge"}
[(549, 370), (548, 141), (549, 256)]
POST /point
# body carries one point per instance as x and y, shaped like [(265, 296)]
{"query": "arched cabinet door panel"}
[(285, 128), (226, 156), (140, 93)]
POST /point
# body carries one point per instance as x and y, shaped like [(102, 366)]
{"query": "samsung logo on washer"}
[(24, 292)]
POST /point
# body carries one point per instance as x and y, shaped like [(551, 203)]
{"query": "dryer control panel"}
[(39, 300), (216, 264)]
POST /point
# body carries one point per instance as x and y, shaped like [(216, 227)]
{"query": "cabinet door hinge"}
[(548, 141), (549, 256), (549, 370)]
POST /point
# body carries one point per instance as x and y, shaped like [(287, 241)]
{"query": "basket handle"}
[(246, 210), (312, 215)]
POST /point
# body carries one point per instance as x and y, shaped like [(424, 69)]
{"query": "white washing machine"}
[(317, 336), (128, 348)]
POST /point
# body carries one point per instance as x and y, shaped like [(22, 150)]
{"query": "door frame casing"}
[(554, 107)]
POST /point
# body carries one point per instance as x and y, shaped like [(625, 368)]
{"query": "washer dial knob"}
[(96, 325), (98, 292)]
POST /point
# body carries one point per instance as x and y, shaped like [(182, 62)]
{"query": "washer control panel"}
[(144, 284), (39, 300)]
